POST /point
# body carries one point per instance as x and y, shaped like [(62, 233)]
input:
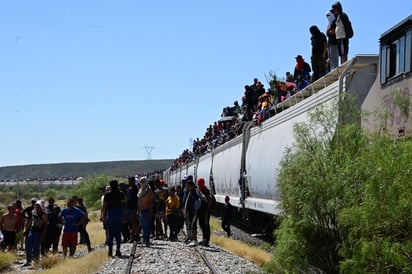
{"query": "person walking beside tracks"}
[(190, 209), (84, 235), (227, 215), (35, 232), (145, 200), (20, 223), (172, 209), (54, 229), (112, 214), (72, 218), (160, 195), (208, 201), (131, 210), (8, 224)]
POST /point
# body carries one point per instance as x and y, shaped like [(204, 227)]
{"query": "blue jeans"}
[(114, 220), (33, 246), (145, 223)]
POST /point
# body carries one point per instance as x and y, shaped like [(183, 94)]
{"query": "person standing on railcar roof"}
[(319, 52), (343, 31)]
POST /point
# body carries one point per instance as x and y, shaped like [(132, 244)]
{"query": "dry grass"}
[(6, 260), (87, 264), (96, 233), (254, 254), (257, 255), (215, 224), (50, 261)]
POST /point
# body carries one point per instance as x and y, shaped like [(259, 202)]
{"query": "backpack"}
[(211, 200), (349, 31), (348, 26)]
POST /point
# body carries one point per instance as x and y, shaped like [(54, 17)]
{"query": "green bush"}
[(380, 226), (89, 190), (346, 199)]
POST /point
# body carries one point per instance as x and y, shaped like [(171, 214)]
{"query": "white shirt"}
[(340, 29)]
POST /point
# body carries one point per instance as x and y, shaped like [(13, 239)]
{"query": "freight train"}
[(246, 167)]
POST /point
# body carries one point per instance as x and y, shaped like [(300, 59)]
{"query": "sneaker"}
[(26, 264), (187, 239), (205, 244), (118, 253), (89, 249), (110, 254), (193, 243)]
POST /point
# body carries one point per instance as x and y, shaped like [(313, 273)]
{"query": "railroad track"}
[(131, 258), (205, 260), (133, 254)]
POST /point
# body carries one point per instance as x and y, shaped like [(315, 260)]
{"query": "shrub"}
[(346, 198), (89, 190), (48, 262)]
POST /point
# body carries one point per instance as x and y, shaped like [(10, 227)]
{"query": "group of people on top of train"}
[(257, 102)]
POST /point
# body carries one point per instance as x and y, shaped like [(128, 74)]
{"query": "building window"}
[(396, 57)]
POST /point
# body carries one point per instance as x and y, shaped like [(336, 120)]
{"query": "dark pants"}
[(204, 226), (52, 239), (84, 235), (226, 226), (173, 225), (318, 67), (125, 231)]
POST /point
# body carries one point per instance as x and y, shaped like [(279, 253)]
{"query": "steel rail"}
[(206, 260), (131, 258)]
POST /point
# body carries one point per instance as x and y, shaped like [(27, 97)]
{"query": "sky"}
[(91, 81)]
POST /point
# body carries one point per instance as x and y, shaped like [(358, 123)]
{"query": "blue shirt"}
[(70, 217)]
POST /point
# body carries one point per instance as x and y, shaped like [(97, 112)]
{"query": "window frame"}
[(396, 56)]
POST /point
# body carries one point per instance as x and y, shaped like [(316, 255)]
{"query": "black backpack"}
[(348, 26)]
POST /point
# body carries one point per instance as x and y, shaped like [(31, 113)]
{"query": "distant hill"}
[(74, 170)]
